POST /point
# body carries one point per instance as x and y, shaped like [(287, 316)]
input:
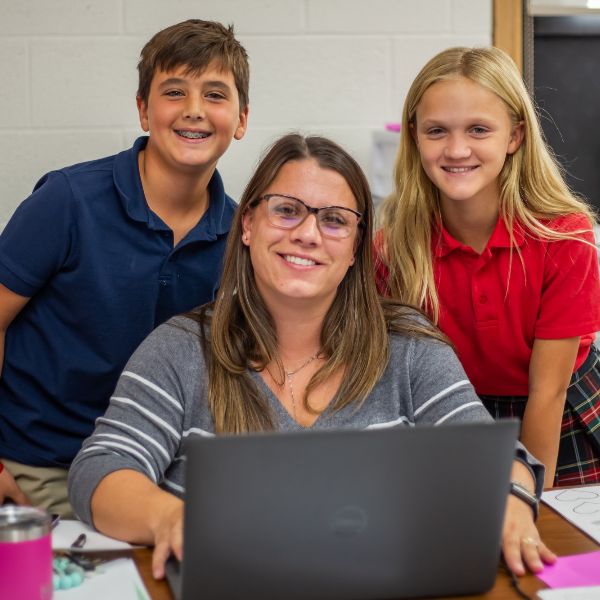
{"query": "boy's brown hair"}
[(195, 44)]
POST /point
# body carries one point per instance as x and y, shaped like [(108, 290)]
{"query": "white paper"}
[(66, 532), (580, 506), (579, 593), (115, 579)]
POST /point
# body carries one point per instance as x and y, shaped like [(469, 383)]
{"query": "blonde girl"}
[(484, 234)]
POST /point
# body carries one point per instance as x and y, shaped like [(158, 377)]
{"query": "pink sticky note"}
[(573, 571)]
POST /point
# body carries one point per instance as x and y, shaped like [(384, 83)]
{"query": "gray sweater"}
[(161, 399)]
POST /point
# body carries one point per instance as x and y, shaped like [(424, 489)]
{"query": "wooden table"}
[(562, 537)]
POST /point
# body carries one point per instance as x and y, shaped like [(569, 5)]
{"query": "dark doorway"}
[(567, 90)]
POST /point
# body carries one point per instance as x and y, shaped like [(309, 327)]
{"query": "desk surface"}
[(560, 535)]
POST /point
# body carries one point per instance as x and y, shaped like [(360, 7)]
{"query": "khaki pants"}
[(46, 487)]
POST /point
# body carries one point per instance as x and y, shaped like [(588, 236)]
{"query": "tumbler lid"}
[(22, 523)]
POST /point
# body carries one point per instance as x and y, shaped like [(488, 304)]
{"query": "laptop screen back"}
[(402, 512)]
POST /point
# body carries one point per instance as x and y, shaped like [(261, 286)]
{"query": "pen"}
[(80, 541), (55, 520)]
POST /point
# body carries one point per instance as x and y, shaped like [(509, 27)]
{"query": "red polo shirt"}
[(493, 310)]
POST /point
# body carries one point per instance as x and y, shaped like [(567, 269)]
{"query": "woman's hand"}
[(157, 521), (168, 535), (521, 544)]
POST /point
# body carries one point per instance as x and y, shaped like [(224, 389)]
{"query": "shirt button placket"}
[(484, 311)]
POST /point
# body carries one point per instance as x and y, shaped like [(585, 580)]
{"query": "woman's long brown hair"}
[(238, 331)]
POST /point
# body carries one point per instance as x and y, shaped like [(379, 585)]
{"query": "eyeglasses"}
[(287, 212)]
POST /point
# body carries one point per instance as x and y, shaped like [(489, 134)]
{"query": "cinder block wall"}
[(335, 67)]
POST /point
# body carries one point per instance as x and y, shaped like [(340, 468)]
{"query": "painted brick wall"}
[(334, 67)]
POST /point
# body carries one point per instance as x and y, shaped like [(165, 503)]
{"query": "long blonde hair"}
[(531, 184), (239, 333)]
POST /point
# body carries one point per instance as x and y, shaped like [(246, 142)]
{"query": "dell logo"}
[(348, 520)]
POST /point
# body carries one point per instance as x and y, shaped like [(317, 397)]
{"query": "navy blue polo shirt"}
[(101, 272)]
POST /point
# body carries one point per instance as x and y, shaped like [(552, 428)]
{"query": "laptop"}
[(388, 513)]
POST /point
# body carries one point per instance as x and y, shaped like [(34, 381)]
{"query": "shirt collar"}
[(126, 175), (127, 180), (443, 243), (218, 216)]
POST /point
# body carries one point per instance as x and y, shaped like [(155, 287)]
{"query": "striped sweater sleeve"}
[(143, 427), (442, 393)]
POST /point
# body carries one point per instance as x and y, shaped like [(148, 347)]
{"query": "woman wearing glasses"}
[(297, 338)]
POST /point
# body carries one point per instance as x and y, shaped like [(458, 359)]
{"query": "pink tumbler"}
[(25, 554)]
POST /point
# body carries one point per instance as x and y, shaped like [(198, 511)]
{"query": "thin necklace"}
[(288, 377)]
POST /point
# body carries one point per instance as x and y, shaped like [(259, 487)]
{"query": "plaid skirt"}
[(579, 450)]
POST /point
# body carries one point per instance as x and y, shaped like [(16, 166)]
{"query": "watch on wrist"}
[(522, 493)]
